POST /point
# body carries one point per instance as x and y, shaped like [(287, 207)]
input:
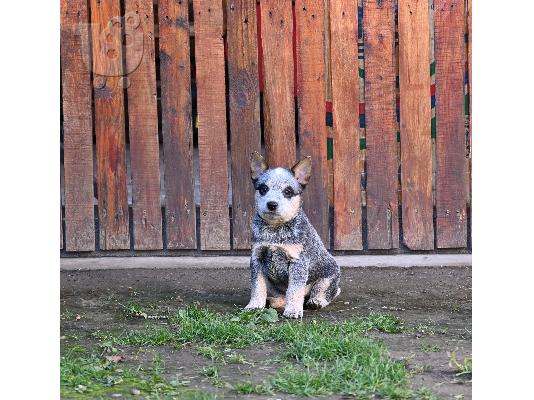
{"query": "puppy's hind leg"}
[(323, 291)]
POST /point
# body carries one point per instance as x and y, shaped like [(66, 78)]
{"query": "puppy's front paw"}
[(254, 306), (316, 303), (293, 312)]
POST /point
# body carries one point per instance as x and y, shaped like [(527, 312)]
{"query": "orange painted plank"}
[(241, 33), (177, 130), (77, 126), (143, 124), (451, 163), (346, 132), (278, 96), (311, 109), (416, 146), (381, 124), (109, 124), (211, 104)]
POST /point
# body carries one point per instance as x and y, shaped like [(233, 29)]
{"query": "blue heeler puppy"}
[(289, 263)]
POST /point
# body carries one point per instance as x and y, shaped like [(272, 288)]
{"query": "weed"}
[(133, 310), (430, 348), (68, 315), (465, 368), (384, 323), (212, 373), (252, 388), (235, 358), (425, 328), (425, 394), (210, 352), (419, 369)]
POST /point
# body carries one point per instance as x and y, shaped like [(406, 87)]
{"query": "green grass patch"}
[(319, 357), (90, 376)]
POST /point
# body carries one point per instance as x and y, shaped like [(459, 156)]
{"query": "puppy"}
[(289, 265)]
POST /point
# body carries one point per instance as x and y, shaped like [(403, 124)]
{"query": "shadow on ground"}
[(434, 303)]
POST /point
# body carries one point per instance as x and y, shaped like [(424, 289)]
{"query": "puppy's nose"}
[(272, 205)]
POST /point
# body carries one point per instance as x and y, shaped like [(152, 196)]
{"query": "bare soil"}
[(434, 303)]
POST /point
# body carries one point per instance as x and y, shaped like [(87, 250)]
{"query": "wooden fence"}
[(163, 103)]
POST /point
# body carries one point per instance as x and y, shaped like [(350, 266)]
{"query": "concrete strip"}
[(239, 262)]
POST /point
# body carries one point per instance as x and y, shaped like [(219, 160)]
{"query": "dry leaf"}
[(115, 358)]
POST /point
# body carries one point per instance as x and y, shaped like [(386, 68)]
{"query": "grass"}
[(318, 357)]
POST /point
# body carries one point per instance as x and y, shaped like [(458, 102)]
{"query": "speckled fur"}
[(289, 262)]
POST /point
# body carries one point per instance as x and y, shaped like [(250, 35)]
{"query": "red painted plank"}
[(416, 145), (177, 131), (451, 178), (311, 109), (381, 124), (109, 124), (345, 110), (279, 101), (77, 126), (241, 33), (143, 124), (211, 104)]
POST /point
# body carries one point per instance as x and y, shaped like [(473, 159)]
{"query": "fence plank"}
[(241, 33), (345, 103), (143, 124), (176, 121), (278, 96), (451, 185), (210, 79), (416, 145), (311, 109), (380, 118), (109, 124), (77, 126)]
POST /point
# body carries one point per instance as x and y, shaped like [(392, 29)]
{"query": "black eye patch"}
[(288, 192), (263, 188)]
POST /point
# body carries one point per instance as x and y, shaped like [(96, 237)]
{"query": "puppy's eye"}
[(288, 192), (263, 189)]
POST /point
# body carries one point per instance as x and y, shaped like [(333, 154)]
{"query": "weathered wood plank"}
[(345, 103), (416, 145), (109, 124), (470, 93), (176, 120), (381, 123), (143, 124), (311, 109), (77, 126), (211, 104), (451, 164), (241, 33), (278, 95)]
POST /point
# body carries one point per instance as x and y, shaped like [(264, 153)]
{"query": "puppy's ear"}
[(302, 170), (257, 165)]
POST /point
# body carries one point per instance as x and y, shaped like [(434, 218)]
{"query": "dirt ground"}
[(434, 303)]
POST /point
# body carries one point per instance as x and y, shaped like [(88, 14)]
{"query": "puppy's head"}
[(278, 190)]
